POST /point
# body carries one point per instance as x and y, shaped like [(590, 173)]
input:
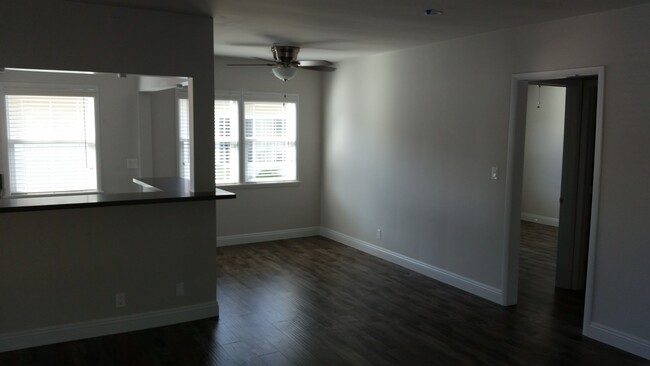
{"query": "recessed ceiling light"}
[(432, 12)]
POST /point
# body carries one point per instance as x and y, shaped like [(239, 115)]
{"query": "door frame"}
[(514, 180)]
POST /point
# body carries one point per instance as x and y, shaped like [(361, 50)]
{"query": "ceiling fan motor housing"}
[(286, 55)]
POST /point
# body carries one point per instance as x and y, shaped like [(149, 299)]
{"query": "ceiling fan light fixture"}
[(284, 73)]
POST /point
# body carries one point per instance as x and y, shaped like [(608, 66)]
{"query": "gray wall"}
[(410, 136), (51, 275), (289, 207), (164, 133), (85, 259), (158, 146), (540, 201)]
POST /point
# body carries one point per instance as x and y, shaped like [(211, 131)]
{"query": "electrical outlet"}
[(379, 234), (180, 289), (120, 300)]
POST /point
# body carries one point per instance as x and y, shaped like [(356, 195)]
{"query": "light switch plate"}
[(495, 173)]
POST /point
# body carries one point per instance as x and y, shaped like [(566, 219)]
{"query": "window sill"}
[(286, 184)]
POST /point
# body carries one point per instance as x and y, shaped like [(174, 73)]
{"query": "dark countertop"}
[(155, 190)]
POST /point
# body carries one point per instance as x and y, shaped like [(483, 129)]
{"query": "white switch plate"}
[(495, 173)]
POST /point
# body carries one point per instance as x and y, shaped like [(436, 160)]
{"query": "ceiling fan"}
[(286, 65)]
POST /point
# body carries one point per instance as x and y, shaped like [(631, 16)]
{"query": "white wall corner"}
[(474, 287), (101, 327), (227, 240), (545, 220), (618, 339)]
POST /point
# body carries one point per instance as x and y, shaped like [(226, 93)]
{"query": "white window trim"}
[(245, 96), (55, 90)]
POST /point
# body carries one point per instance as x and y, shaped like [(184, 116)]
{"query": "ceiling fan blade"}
[(319, 68), (316, 65), (307, 63), (267, 64), (264, 59)]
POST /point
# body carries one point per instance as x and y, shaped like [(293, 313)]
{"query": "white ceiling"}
[(340, 29)]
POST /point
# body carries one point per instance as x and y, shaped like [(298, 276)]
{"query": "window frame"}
[(78, 90), (241, 98)]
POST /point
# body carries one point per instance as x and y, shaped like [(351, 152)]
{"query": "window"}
[(183, 138), (50, 140), (270, 141), (267, 133)]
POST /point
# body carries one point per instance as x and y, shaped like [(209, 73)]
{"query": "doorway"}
[(558, 169), (540, 203), (514, 181)]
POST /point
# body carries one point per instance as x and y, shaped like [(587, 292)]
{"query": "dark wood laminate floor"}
[(313, 301)]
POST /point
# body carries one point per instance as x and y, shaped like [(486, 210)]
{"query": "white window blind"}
[(270, 141), (184, 138), (226, 137), (51, 143)]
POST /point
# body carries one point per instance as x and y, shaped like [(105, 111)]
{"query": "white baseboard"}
[(463, 283), (618, 339), (545, 220), (102, 327), (226, 240)]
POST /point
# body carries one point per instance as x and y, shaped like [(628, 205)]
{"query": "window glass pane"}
[(52, 168), (270, 133), (51, 143), (50, 118), (226, 136)]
